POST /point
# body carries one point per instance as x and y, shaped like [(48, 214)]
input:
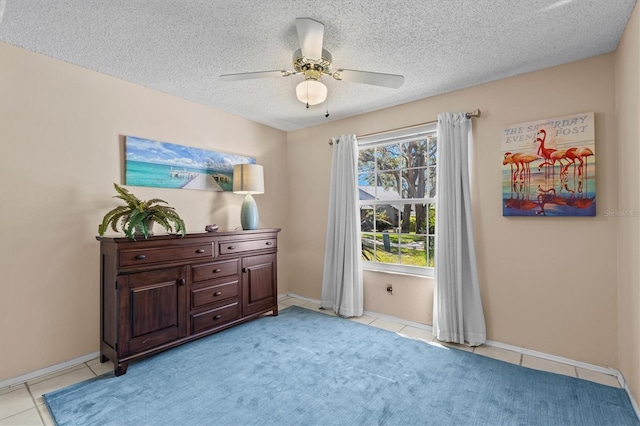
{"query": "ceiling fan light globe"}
[(311, 92)]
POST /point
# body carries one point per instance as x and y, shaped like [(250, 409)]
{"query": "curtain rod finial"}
[(476, 113)]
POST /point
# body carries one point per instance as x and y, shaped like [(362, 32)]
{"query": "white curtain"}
[(457, 307), (342, 276)]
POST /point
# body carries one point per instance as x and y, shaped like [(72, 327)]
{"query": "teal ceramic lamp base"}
[(248, 179), (249, 213)]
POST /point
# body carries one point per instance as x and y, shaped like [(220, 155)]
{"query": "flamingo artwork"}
[(522, 162), (548, 167), (571, 158), (508, 159), (581, 154), (542, 150), (551, 155), (577, 154), (525, 161), (522, 171)]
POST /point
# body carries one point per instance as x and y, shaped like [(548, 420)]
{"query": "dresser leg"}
[(103, 359), (275, 311), (121, 369)]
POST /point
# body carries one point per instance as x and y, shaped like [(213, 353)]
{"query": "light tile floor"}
[(22, 404)]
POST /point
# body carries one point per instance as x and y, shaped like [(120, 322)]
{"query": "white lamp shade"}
[(248, 179), (311, 92)]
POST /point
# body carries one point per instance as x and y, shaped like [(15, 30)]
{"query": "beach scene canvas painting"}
[(549, 167), (167, 165)]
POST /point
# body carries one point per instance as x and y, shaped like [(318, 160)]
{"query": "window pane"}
[(388, 157), (418, 219), (387, 247), (432, 153), (430, 251), (413, 250), (430, 177), (406, 223), (431, 227), (415, 183), (388, 188), (415, 153), (387, 218), (366, 160), (368, 247), (366, 190), (366, 218)]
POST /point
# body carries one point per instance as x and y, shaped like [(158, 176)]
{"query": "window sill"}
[(428, 273)]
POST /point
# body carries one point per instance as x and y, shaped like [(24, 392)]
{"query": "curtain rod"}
[(476, 113)]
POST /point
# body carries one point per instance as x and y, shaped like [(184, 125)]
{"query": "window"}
[(397, 188)]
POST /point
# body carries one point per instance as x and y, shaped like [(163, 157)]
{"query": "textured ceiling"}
[(182, 46)]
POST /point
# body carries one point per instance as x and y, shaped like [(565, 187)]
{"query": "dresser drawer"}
[(214, 318), (242, 246), (164, 254), (214, 270), (213, 293)]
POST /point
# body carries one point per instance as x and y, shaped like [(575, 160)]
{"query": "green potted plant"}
[(137, 216)]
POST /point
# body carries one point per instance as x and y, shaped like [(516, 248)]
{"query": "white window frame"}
[(388, 138)]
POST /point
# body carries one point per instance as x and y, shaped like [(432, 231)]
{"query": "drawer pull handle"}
[(182, 281), (269, 243), (215, 271), (141, 257), (217, 317), (217, 293), (231, 247), (200, 251)]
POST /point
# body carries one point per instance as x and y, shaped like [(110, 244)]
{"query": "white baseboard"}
[(48, 370), (518, 349), (297, 296), (605, 370), (633, 401)]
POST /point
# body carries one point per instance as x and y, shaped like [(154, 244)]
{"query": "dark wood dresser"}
[(168, 290)]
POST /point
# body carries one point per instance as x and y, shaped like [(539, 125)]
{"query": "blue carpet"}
[(307, 368)]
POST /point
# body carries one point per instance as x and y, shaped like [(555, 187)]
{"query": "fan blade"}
[(251, 75), (310, 35), (365, 77)]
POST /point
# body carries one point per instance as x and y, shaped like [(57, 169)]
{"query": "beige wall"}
[(628, 113), (548, 284), (411, 298), (60, 131)]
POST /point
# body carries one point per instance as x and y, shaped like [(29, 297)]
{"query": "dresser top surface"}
[(158, 237)]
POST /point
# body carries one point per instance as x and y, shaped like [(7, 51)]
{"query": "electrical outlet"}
[(390, 288)]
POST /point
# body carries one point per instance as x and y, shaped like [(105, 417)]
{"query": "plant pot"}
[(138, 228)]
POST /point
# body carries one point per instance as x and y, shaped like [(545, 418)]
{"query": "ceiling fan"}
[(313, 62)]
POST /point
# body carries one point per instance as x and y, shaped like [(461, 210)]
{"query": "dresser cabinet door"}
[(152, 308), (259, 289)]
